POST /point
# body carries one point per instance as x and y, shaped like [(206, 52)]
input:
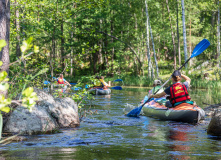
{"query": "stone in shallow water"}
[(214, 127), (47, 115)]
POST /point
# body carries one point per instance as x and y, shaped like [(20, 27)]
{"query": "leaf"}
[(2, 44), (4, 86), (27, 92), (1, 63), (36, 49), (5, 109), (24, 46)]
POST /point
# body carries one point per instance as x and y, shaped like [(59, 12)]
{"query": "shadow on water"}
[(109, 134)]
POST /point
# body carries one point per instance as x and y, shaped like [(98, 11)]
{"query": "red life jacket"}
[(178, 93), (60, 81)]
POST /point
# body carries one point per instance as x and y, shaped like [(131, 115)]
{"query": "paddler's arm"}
[(187, 79), (158, 95), (68, 83)]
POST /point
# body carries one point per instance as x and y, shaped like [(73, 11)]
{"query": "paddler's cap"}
[(176, 73), (157, 82)]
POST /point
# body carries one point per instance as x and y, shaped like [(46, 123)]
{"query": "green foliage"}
[(29, 98)]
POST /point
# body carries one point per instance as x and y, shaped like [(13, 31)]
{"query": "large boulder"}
[(47, 115), (25, 122), (214, 127)]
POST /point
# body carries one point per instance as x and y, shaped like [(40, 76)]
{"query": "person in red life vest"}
[(61, 80), (177, 92)]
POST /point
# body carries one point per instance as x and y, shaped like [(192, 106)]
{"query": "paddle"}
[(200, 47), (117, 88), (118, 80)]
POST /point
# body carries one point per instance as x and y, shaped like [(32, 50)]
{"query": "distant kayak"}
[(183, 113), (100, 91)]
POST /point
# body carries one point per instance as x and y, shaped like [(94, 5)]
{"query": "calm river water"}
[(109, 134)]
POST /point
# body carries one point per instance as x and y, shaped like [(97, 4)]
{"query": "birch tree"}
[(218, 37), (184, 31), (173, 40), (154, 53), (147, 43)]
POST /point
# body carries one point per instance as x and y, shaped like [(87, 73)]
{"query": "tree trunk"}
[(112, 41), (17, 25), (190, 47), (173, 40), (148, 45), (154, 53), (4, 32), (62, 45), (184, 32), (218, 37), (178, 35)]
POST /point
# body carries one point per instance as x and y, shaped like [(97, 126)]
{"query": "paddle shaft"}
[(166, 82)]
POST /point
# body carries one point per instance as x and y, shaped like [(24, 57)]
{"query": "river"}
[(108, 134)]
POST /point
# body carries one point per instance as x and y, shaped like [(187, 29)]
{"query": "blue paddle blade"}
[(87, 86), (117, 88), (76, 88), (47, 82), (118, 80), (135, 112), (73, 83), (200, 47)]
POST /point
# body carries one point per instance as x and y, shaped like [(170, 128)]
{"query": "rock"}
[(43, 95), (47, 115), (211, 109), (25, 122), (65, 111), (214, 127)]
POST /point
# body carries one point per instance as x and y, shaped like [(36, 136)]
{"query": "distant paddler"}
[(100, 83), (62, 81), (105, 85), (156, 85)]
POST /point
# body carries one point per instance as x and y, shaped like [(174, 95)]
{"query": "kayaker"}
[(177, 92), (156, 85), (62, 81), (105, 85), (97, 83)]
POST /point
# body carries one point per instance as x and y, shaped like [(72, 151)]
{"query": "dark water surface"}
[(109, 134)]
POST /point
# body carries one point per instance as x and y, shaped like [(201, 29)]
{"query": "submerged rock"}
[(47, 115), (214, 127)]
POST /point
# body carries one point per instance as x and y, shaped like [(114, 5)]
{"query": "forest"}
[(108, 37), (131, 44)]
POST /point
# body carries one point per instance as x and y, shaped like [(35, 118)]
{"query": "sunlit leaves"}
[(3, 103), (29, 98), (2, 44)]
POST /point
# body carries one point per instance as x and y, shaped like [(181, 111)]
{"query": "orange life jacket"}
[(178, 93), (60, 81)]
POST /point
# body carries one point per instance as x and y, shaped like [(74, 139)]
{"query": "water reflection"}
[(178, 137)]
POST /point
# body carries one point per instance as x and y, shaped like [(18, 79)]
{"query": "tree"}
[(4, 32), (184, 31)]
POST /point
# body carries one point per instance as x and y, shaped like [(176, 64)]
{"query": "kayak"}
[(100, 91), (184, 112)]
